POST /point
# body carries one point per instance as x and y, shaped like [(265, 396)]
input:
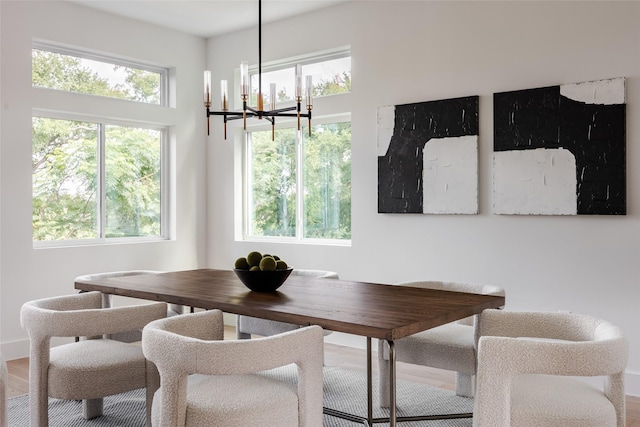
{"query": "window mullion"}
[(299, 186), (248, 170), (102, 197)]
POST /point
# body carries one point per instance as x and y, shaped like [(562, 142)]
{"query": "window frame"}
[(334, 107), (73, 108), (305, 59), (244, 140), (101, 171), (84, 54)]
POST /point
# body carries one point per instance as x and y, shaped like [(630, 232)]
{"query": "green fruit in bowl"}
[(241, 264), (268, 264), (254, 258), (255, 261)]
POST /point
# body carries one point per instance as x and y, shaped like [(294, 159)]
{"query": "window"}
[(331, 72), (298, 186), (66, 70), (96, 179)]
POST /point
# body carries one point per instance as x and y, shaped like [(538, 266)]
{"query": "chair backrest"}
[(193, 344), (82, 315), (4, 379), (323, 274), (471, 288), (567, 344)]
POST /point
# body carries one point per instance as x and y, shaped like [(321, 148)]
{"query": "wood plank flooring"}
[(335, 355)]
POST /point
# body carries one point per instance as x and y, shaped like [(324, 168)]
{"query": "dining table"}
[(372, 310)]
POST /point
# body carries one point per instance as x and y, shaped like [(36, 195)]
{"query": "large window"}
[(67, 70), (94, 181), (96, 178), (298, 184), (330, 76)]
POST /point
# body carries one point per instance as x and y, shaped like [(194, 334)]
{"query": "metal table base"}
[(393, 419)]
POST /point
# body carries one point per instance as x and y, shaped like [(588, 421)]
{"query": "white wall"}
[(27, 273), (402, 52), (412, 51)]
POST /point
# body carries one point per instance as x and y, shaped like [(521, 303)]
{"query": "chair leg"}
[(91, 408), (153, 384), (464, 385), (239, 334), (243, 335), (383, 376)]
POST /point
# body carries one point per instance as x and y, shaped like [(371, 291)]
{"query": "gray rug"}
[(344, 390)]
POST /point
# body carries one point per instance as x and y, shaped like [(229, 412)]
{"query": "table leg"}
[(392, 383), (369, 384)]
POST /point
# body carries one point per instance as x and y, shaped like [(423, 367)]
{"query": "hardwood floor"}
[(335, 355)]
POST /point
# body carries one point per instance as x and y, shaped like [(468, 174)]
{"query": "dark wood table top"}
[(374, 310)]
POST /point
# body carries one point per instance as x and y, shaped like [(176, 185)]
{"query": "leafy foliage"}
[(73, 74), (67, 195), (326, 183)]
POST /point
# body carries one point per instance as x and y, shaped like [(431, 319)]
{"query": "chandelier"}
[(260, 112)]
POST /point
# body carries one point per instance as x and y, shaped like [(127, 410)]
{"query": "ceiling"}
[(206, 18)]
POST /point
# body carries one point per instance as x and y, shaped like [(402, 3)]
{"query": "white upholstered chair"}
[(93, 367), (135, 334), (206, 381), (527, 368), (4, 378), (451, 347), (246, 325)]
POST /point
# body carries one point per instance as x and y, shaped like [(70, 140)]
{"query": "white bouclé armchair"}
[(4, 382), (133, 335), (207, 381), (451, 346), (92, 368), (528, 364)]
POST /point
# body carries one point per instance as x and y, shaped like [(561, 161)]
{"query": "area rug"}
[(344, 390)]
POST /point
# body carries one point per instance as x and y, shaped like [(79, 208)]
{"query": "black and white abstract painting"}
[(560, 150), (428, 157)]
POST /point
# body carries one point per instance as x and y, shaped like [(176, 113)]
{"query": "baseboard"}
[(632, 384), (20, 348), (15, 349)]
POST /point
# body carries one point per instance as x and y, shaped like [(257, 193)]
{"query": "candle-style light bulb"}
[(272, 96), (224, 95), (244, 79), (309, 88), (207, 88), (298, 82)]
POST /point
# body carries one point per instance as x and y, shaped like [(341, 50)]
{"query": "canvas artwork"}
[(428, 157), (560, 150)]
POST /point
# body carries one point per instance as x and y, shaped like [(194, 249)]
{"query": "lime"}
[(267, 264), (241, 264), (254, 258)]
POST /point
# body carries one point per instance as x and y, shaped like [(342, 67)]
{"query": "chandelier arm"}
[(280, 110), (239, 116), (248, 111), (287, 114), (253, 110)]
